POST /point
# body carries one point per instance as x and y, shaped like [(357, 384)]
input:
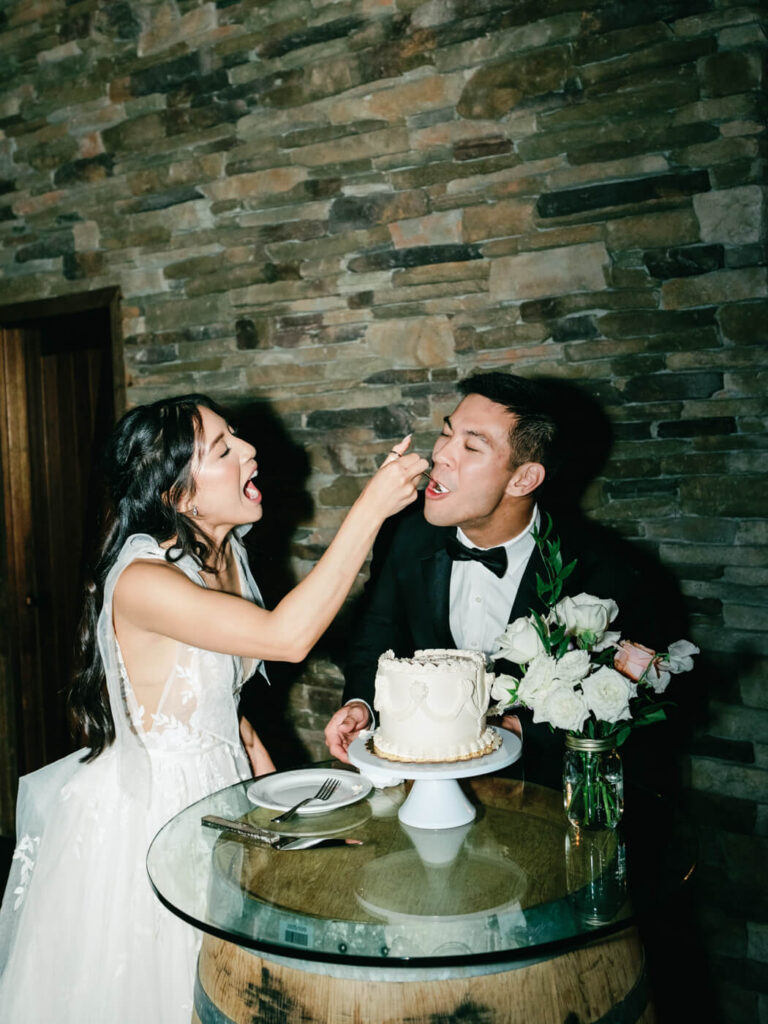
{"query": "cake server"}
[(275, 839)]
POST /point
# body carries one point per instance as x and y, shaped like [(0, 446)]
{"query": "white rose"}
[(679, 656), (573, 666), (586, 616), (504, 692), (607, 693), (519, 642), (539, 678), (564, 708), (657, 678), (610, 639)]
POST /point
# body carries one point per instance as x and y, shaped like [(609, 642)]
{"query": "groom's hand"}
[(513, 723), (510, 722), (344, 726)]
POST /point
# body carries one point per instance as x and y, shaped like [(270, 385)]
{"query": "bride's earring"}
[(194, 510)]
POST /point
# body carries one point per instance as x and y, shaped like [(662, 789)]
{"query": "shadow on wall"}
[(283, 472), (586, 440)]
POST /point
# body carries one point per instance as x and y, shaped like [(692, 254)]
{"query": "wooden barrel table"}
[(604, 982), (512, 917)]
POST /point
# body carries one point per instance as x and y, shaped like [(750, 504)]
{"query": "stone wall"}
[(336, 209)]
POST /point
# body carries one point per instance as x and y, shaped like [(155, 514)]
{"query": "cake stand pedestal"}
[(436, 799)]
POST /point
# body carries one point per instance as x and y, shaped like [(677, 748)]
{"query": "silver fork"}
[(327, 789)]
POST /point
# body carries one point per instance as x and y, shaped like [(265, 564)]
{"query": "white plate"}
[(284, 789)]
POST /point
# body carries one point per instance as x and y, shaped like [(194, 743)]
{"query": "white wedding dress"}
[(83, 938)]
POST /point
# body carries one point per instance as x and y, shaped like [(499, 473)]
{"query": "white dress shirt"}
[(480, 602)]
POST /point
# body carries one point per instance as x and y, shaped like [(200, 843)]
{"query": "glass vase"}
[(596, 874), (593, 782)]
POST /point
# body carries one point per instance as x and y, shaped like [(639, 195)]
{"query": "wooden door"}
[(58, 406)]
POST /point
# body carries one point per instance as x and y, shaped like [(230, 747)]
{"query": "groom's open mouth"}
[(435, 489), (251, 491)]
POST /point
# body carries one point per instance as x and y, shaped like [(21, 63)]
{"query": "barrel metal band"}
[(207, 1011), (632, 1006)]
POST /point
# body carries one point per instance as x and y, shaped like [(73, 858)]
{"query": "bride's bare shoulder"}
[(145, 575)]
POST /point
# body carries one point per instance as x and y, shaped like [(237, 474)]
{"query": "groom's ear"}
[(525, 479)]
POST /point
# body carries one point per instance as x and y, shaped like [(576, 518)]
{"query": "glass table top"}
[(515, 883)]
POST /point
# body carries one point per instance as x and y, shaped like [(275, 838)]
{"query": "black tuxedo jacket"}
[(405, 607)]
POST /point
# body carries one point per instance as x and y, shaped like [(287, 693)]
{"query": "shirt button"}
[(478, 600)]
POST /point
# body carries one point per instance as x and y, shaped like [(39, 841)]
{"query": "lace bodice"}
[(197, 707)]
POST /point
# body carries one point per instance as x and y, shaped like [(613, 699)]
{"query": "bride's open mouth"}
[(251, 491)]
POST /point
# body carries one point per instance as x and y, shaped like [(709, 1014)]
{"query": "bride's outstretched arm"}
[(157, 598)]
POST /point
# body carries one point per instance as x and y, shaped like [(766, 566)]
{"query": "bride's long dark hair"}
[(147, 471)]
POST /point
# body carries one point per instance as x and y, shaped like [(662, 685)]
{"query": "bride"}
[(172, 625)]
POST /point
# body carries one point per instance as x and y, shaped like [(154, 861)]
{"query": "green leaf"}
[(623, 734), (603, 657), (655, 715), (585, 640), (541, 629), (568, 569), (551, 590), (557, 633)]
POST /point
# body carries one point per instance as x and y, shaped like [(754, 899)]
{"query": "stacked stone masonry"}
[(343, 206)]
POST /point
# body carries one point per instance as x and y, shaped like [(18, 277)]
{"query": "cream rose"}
[(679, 656), (657, 677), (564, 708), (573, 666), (540, 677), (504, 693), (607, 693), (586, 616), (519, 642)]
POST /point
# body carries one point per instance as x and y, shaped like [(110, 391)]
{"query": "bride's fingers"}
[(397, 450), (412, 467), (416, 466)]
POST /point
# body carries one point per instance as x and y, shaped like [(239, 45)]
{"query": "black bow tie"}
[(494, 559)]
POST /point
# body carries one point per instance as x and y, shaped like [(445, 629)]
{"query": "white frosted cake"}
[(432, 707)]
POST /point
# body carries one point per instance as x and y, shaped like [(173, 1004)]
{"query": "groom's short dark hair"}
[(534, 434)]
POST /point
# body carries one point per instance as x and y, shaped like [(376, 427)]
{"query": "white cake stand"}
[(436, 799)]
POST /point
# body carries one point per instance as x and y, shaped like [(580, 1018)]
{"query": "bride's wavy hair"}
[(147, 467)]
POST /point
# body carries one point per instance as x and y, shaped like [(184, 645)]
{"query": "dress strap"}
[(252, 593)]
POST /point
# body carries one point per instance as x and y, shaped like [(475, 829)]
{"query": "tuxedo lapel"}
[(436, 575), (527, 597)]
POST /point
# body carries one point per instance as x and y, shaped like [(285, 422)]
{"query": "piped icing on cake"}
[(432, 707)]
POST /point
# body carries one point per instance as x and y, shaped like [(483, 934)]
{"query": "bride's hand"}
[(394, 485)]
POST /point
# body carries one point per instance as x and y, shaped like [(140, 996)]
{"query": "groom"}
[(454, 574)]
